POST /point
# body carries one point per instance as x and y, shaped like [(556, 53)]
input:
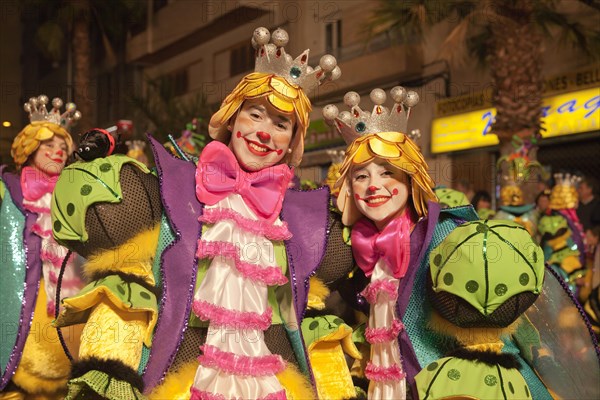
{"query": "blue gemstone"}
[(360, 127), (295, 72)]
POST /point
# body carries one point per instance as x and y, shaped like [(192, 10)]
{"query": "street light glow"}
[(6, 124)]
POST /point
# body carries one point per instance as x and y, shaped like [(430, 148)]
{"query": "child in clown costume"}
[(386, 196), (32, 351), (235, 252)]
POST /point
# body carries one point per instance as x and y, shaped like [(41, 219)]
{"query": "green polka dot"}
[(482, 228), (145, 295), (500, 289), (432, 366), (121, 289), (490, 380), (105, 167), (70, 209), (313, 325), (338, 321), (57, 226), (511, 388), (448, 278), (454, 374), (85, 190), (472, 286), (524, 279), (437, 260), (535, 257)]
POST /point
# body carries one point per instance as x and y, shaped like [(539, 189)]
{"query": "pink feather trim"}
[(380, 285), (261, 227), (237, 364), (254, 272), (203, 395), (384, 374), (221, 316), (384, 334)]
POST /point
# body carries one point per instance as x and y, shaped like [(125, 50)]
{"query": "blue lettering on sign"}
[(490, 120), (569, 106), (593, 105)]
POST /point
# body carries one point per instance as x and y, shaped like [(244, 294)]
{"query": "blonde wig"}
[(29, 139), (397, 150), (283, 96)]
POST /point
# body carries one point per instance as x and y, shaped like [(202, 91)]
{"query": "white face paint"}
[(261, 134), (51, 156), (380, 192)]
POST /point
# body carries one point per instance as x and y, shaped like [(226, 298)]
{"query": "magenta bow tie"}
[(219, 174), (35, 183), (392, 244)]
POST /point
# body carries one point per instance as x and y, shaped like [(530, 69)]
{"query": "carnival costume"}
[(201, 256), (377, 136), (561, 233), (32, 351)]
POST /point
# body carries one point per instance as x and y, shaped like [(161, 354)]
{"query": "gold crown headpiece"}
[(564, 193), (356, 122), (36, 107), (271, 58)]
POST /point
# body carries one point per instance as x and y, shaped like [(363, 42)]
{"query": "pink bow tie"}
[(219, 174), (392, 244), (35, 183)]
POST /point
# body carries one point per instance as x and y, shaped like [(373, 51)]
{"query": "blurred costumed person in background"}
[(482, 203), (561, 233), (515, 169), (31, 350), (241, 304)]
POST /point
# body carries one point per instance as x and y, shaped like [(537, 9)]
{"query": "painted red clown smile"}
[(378, 200), (257, 148)]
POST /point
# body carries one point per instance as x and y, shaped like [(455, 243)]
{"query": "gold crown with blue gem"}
[(36, 107), (271, 58), (356, 122)]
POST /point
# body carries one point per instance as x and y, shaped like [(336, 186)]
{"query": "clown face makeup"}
[(380, 192), (51, 156), (261, 135)]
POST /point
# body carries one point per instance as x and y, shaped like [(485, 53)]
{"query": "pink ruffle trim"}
[(66, 283), (51, 308), (260, 227), (381, 285), (221, 316), (55, 259), (384, 334), (255, 272), (384, 374), (237, 364), (202, 395), (37, 229)]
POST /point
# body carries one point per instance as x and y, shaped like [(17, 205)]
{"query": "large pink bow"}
[(392, 244), (36, 183), (219, 174)]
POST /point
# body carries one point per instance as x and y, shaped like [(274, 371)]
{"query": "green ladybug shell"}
[(487, 262), (451, 198), (82, 184), (452, 377)]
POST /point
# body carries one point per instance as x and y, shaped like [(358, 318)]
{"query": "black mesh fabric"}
[(464, 315), (337, 262), (278, 342), (190, 347), (110, 225)]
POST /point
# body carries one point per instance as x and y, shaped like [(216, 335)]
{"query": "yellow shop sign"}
[(563, 114)]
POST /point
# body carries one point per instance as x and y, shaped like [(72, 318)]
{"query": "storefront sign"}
[(564, 114)]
